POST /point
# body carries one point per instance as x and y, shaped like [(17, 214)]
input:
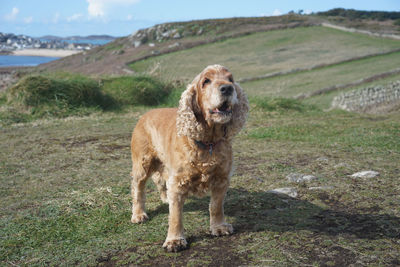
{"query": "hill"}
[(114, 57)]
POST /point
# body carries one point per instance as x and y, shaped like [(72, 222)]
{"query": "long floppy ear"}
[(239, 113), (186, 121)]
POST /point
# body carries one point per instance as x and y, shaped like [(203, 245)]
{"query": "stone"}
[(365, 174), (176, 36), (299, 178), (174, 45), (322, 159), (137, 43), (362, 99), (289, 191), (326, 187), (152, 44)]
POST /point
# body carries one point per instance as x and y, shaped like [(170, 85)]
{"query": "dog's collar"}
[(207, 145)]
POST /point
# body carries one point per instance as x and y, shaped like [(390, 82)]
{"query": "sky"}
[(123, 17)]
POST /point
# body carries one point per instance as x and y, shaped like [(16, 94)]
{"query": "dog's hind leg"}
[(139, 178), (160, 181)]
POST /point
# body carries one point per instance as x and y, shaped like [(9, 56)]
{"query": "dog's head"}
[(212, 98)]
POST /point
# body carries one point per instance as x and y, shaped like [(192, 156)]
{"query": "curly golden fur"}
[(189, 150)]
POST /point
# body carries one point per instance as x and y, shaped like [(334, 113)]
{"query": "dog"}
[(188, 151)]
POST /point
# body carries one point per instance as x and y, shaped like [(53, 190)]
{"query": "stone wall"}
[(362, 99)]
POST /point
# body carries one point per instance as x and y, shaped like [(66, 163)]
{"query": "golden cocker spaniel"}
[(188, 150)]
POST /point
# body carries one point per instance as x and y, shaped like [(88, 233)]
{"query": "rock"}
[(322, 159), (174, 45), (137, 43), (362, 99), (326, 187), (259, 179), (289, 191), (365, 174), (176, 36), (152, 44), (299, 178)]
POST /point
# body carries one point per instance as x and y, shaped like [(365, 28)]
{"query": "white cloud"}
[(129, 17), (276, 12), (98, 8), (74, 17), (28, 20), (307, 11), (13, 14)]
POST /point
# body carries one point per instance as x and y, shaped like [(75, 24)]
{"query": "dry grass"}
[(65, 194)]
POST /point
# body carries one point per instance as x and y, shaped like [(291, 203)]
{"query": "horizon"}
[(119, 18)]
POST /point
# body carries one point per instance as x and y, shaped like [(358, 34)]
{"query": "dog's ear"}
[(187, 121), (239, 113)]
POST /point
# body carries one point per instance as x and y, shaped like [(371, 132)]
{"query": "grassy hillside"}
[(308, 81), (263, 53), (113, 57)]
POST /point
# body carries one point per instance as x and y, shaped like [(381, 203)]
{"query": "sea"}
[(31, 61), (23, 61)]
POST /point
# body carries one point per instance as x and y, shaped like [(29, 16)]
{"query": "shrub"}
[(137, 90), (57, 96)]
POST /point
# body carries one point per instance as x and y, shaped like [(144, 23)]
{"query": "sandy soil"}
[(45, 52)]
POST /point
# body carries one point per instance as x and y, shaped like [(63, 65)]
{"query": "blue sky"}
[(122, 17)]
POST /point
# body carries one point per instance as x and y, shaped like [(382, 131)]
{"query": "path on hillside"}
[(353, 30)]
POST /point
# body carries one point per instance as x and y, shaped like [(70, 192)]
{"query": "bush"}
[(57, 96), (137, 90)]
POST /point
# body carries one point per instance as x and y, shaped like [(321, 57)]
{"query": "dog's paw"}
[(139, 218), (175, 245), (222, 229)]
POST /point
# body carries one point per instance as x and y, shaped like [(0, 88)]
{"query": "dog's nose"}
[(226, 89)]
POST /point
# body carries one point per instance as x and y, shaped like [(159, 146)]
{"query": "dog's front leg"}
[(175, 239), (218, 226)]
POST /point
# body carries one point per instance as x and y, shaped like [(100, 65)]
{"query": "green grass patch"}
[(280, 104), (60, 97), (308, 81), (137, 90), (66, 94), (331, 132)]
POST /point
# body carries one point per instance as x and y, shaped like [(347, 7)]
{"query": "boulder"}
[(300, 178), (289, 191), (365, 174)]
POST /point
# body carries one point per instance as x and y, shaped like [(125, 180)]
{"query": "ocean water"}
[(12, 61)]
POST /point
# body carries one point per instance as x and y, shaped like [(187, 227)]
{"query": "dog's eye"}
[(206, 81), (231, 79)]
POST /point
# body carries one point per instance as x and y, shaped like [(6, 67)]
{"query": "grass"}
[(308, 81), (66, 199), (136, 90), (262, 53), (64, 94)]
